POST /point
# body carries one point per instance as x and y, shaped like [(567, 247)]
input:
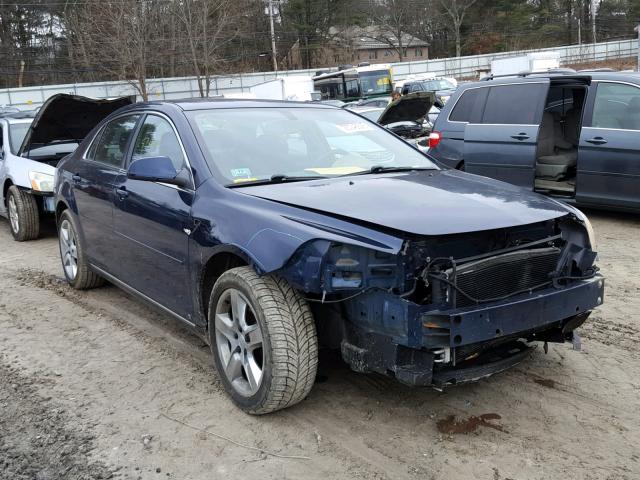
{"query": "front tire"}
[(24, 218), (74, 261), (263, 339)]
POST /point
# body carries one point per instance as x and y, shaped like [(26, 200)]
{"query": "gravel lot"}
[(98, 385)]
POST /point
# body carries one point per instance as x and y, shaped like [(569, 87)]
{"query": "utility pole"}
[(593, 21), (21, 74), (580, 33), (273, 38)]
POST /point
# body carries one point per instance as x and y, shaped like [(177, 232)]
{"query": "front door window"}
[(617, 106)]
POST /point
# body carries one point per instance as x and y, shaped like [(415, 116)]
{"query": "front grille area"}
[(503, 275)]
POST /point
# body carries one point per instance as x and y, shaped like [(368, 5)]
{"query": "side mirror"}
[(157, 169)]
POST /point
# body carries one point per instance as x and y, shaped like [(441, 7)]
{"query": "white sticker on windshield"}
[(240, 172), (355, 127)]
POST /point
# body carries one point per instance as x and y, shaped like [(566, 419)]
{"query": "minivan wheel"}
[(74, 262), (263, 339), (24, 218)]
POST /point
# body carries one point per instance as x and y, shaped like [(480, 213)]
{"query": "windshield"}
[(373, 83), (252, 144), (17, 132), (435, 85)]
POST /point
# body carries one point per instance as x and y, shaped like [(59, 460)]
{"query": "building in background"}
[(353, 45), (375, 44)]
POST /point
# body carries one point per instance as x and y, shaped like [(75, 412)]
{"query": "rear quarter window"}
[(469, 105)]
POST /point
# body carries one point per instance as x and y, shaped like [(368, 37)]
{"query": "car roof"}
[(189, 104), (526, 77)]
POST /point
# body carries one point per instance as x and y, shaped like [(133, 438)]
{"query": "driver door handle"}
[(122, 193), (520, 136), (597, 141)]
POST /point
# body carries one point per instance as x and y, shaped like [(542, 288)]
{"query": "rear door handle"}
[(122, 193), (597, 141), (76, 179), (520, 136)]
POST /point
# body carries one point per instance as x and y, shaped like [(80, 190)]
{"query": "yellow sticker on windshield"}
[(335, 170), (240, 180), (355, 127)]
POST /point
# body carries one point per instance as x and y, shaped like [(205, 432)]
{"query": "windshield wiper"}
[(381, 169), (277, 178)]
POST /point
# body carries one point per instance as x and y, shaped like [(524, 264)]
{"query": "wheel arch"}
[(61, 206), (5, 188), (218, 263)]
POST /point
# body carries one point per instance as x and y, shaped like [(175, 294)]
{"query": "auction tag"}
[(241, 172), (355, 127)]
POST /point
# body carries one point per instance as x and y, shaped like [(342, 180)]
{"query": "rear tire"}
[(263, 339), (24, 218), (74, 261)]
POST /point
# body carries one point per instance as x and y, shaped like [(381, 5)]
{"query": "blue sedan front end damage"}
[(450, 309)]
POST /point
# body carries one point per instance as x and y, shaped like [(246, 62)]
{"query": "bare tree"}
[(120, 38), (207, 27), (456, 10), (391, 20)]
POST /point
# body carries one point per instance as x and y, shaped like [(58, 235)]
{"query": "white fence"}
[(187, 87)]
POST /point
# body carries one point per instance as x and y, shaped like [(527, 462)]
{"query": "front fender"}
[(18, 169), (269, 233)]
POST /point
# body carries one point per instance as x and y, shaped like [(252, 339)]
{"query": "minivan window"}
[(515, 104), (617, 106), (158, 139), (467, 104), (113, 143)]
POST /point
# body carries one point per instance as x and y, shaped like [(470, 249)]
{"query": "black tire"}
[(84, 278), (289, 342), (461, 167), (28, 217)]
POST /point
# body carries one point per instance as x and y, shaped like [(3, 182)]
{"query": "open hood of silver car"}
[(409, 108)]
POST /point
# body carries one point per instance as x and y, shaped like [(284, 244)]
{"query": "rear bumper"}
[(420, 346)]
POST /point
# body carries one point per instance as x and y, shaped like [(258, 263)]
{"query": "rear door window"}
[(515, 104), (616, 106), (112, 146), (469, 106)]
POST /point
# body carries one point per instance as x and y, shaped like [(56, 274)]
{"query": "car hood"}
[(432, 202), (68, 117), (408, 108)]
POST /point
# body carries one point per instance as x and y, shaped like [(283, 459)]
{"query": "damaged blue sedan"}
[(273, 228)]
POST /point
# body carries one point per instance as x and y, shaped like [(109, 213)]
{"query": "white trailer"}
[(533, 62), (294, 88)]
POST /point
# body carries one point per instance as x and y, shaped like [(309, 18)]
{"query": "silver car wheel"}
[(13, 214), (239, 342), (68, 249)]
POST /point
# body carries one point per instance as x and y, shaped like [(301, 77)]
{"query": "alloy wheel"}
[(68, 249), (239, 342), (14, 219)]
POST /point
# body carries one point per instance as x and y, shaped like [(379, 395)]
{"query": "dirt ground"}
[(98, 385)]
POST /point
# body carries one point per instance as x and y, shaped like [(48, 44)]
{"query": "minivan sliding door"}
[(501, 142)]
